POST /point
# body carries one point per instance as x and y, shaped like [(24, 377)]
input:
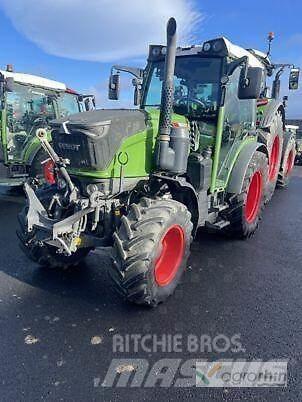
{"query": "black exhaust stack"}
[(168, 83), (173, 142)]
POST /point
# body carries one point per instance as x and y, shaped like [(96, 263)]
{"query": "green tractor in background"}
[(198, 152), (29, 102), (294, 126), (298, 133)]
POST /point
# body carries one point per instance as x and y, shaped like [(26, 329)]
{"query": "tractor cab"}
[(27, 103), (211, 94), (221, 91)]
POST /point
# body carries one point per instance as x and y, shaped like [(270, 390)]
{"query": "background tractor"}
[(29, 102), (298, 159), (205, 148), (294, 126)]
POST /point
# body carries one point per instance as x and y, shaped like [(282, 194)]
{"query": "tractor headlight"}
[(217, 46), (207, 47), (156, 51)]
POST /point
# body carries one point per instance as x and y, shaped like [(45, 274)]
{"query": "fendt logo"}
[(69, 147)]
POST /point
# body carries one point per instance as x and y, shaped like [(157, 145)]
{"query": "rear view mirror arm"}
[(137, 72)]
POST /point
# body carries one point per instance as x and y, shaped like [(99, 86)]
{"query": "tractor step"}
[(221, 208), (217, 225)]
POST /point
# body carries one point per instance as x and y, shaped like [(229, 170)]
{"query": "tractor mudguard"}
[(33, 154), (184, 192), (270, 112), (239, 170)]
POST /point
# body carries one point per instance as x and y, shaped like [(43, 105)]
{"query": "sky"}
[(77, 41)]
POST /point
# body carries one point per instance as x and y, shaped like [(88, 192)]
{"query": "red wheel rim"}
[(173, 246), (253, 197), (289, 163), (274, 160)]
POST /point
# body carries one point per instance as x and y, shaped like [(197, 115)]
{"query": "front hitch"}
[(67, 234), (60, 163)]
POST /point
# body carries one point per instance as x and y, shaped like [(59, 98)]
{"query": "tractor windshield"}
[(28, 108), (68, 103), (196, 87)]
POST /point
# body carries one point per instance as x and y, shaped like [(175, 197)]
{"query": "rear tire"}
[(246, 208), (274, 143), (151, 249), (287, 164)]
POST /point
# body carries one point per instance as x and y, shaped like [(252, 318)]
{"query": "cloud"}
[(100, 30)]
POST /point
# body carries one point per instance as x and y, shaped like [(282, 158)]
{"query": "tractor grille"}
[(76, 148)]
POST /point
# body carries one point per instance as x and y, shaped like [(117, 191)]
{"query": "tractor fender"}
[(269, 113), (184, 192), (239, 170), (33, 154)]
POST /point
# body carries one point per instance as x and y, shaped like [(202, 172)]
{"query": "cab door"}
[(239, 121)]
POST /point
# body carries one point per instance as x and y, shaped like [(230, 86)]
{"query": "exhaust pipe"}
[(168, 83), (173, 142)]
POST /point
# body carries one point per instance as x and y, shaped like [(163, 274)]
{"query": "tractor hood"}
[(91, 139)]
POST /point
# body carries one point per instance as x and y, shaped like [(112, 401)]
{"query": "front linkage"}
[(63, 218)]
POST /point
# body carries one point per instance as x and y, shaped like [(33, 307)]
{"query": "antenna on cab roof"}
[(271, 37)]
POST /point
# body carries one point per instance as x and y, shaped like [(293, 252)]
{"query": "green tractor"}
[(293, 126), (298, 160), (29, 102), (197, 153)]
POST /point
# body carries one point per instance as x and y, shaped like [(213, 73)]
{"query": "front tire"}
[(151, 249)]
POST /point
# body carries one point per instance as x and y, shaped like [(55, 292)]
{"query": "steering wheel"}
[(183, 101)]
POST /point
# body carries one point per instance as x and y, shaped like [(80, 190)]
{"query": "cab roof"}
[(224, 47), (34, 80)]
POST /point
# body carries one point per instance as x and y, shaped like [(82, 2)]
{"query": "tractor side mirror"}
[(9, 84), (114, 87), (137, 83), (294, 78), (6, 85), (250, 84)]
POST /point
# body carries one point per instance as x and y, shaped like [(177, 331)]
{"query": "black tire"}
[(287, 163), (138, 245), (273, 139), (243, 225), (40, 253), (298, 161), (36, 168)]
